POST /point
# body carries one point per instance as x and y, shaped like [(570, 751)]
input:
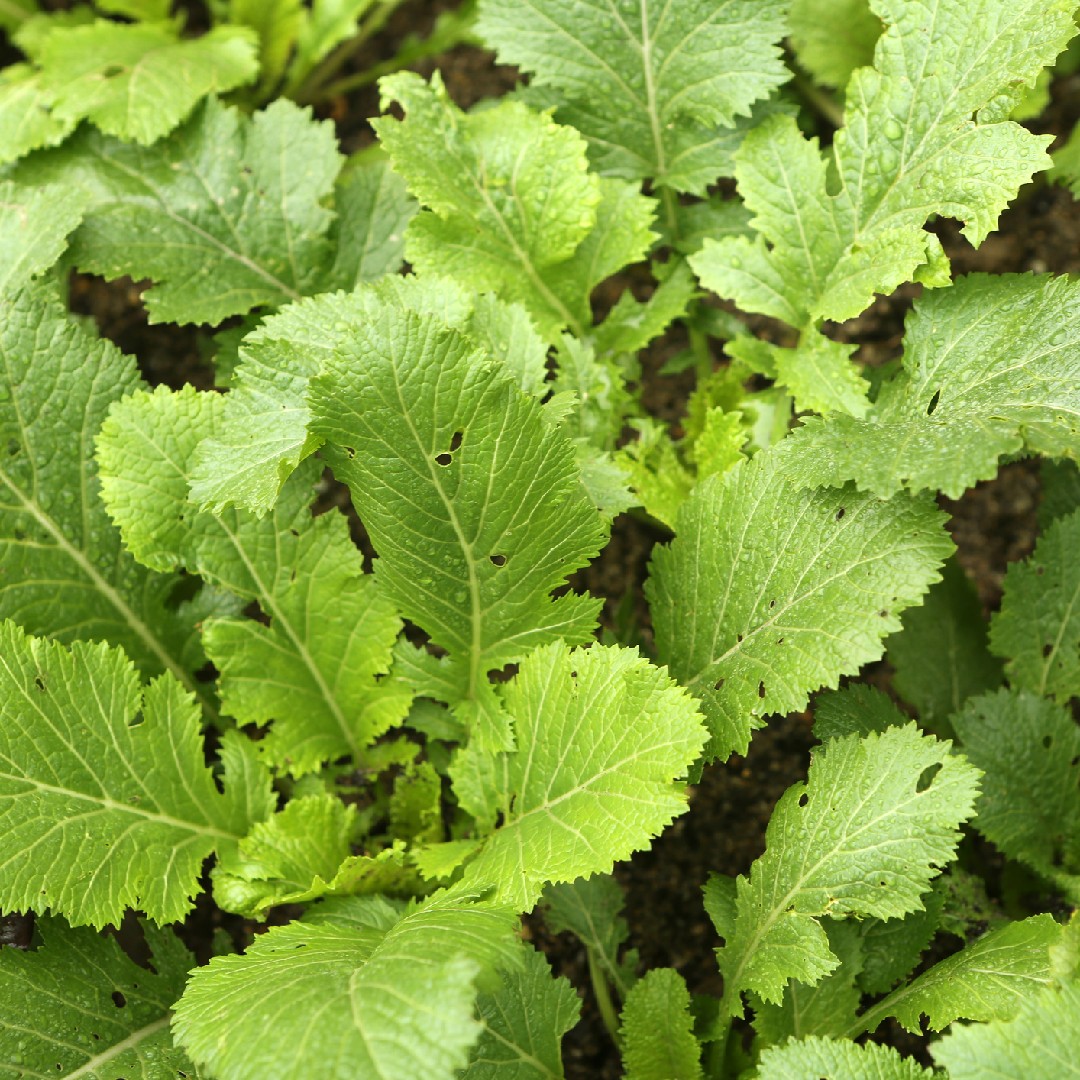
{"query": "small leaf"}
[(657, 1030)]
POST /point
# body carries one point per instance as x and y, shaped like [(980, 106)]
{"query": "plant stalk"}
[(602, 993)]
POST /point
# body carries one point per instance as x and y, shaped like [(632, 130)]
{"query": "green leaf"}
[(769, 592), (941, 656), (509, 205), (146, 10), (277, 23), (65, 573), (863, 836), (303, 853), (202, 213), (650, 86), (591, 908), (34, 227), (991, 367), (27, 121), (471, 498), (661, 482), (327, 25), (1029, 749), (13, 13), (416, 805), (524, 1022), (832, 38), (816, 1057), (92, 1011), (926, 132), (858, 709), (368, 990), (1038, 626), (104, 794), (603, 737), (890, 948), (331, 630), (990, 979), (266, 430), (1040, 1041), (820, 376), (140, 81), (1060, 490), (657, 1030), (373, 211)]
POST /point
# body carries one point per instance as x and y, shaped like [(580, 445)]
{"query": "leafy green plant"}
[(373, 759)]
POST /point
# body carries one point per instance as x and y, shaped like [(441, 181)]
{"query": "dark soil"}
[(725, 828)]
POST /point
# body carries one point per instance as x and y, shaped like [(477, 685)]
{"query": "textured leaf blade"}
[(105, 799), (202, 212), (657, 1029), (431, 437), (331, 631), (817, 1057), (767, 593), (368, 990), (864, 835), (34, 227), (647, 84), (990, 979), (65, 573), (603, 735), (991, 367), (1030, 807), (833, 37), (523, 1025), (1038, 626), (909, 148), (95, 1013), (1040, 1041), (140, 81), (25, 124)]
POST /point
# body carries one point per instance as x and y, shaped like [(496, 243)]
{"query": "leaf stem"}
[(823, 103), (602, 993)]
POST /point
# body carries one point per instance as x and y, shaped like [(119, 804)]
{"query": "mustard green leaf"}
[(138, 81), (93, 1011), (27, 120), (34, 228), (652, 87), (431, 435), (105, 799), (1030, 808), (524, 1022), (1038, 626), (866, 833), (926, 132), (768, 592), (991, 367), (370, 989), (65, 573), (313, 671), (603, 737), (657, 1029), (832, 38), (816, 1056)]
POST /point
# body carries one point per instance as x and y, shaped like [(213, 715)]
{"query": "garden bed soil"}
[(992, 525)]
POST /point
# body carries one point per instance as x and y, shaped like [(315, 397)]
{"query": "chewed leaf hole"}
[(804, 799), (1047, 741), (498, 560), (840, 514), (719, 684), (760, 689), (933, 403), (443, 459), (455, 441), (927, 777), (1047, 650), (39, 682), (118, 999)]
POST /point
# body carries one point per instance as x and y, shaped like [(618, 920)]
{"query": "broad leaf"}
[(769, 592), (471, 498), (815, 1057), (863, 836), (523, 1025), (368, 990), (651, 86), (941, 656), (65, 573), (203, 212), (832, 38), (26, 121), (657, 1029), (991, 367), (1029, 749), (1040, 1041), (508, 203), (331, 631), (603, 738), (105, 799), (34, 227), (139, 81), (93, 1011), (926, 132), (856, 709), (990, 979), (1038, 626), (591, 909)]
